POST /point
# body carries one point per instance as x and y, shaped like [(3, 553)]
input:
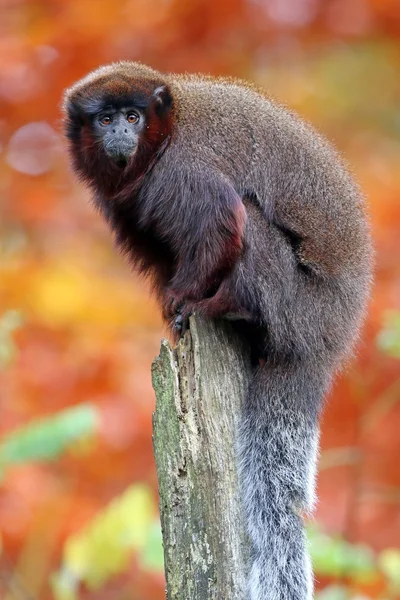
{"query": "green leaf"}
[(152, 556), (9, 322), (334, 557), (389, 563), (388, 338), (334, 592), (64, 586), (45, 439)]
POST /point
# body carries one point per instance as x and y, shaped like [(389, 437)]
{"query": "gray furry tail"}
[(278, 447)]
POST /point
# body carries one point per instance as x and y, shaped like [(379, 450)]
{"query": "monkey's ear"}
[(162, 99), (72, 110)]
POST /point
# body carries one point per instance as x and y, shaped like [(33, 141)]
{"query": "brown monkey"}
[(237, 208)]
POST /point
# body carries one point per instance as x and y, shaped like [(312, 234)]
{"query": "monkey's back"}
[(270, 153), (296, 181)]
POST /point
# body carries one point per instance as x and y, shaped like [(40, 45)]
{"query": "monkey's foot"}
[(181, 324)]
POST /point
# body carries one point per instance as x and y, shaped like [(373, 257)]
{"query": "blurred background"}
[(78, 332)]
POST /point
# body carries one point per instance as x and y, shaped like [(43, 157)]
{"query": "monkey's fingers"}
[(178, 323), (172, 304), (181, 322), (185, 324)]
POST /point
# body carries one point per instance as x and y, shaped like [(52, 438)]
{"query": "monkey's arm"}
[(206, 228)]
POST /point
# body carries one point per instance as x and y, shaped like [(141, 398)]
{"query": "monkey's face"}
[(118, 130), (117, 118)]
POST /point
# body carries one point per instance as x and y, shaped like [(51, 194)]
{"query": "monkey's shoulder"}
[(235, 112), (219, 97)]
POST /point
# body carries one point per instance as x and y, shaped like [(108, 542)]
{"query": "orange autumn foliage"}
[(90, 330)]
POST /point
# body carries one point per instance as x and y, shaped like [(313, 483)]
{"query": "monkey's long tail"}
[(278, 447)]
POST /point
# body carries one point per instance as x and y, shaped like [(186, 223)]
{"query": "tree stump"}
[(200, 387)]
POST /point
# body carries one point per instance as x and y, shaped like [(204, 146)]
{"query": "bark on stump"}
[(200, 386)]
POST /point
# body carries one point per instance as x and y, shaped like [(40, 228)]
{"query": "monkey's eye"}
[(132, 118), (105, 120)]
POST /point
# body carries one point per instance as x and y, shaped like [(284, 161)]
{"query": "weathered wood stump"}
[(200, 387)]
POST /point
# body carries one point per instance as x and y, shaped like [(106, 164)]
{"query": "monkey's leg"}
[(221, 305), (207, 240)]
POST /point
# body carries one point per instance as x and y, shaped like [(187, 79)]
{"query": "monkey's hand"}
[(172, 303), (180, 325), (176, 311), (222, 304), (177, 308)]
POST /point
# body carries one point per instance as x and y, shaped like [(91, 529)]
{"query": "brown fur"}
[(237, 208)]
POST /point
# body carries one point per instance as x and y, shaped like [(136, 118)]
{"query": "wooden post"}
[(200, 387)]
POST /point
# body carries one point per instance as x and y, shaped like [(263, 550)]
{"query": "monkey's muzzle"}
[(120, 153), (120, 144)]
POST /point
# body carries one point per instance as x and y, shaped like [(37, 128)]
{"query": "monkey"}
[(237, 208)]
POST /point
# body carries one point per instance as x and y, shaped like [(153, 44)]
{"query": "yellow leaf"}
[(104, 547)]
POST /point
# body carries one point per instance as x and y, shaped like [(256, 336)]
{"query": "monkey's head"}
[(116, 118)]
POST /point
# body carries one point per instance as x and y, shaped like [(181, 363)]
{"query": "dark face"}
[(119, 130), (117, 121)]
